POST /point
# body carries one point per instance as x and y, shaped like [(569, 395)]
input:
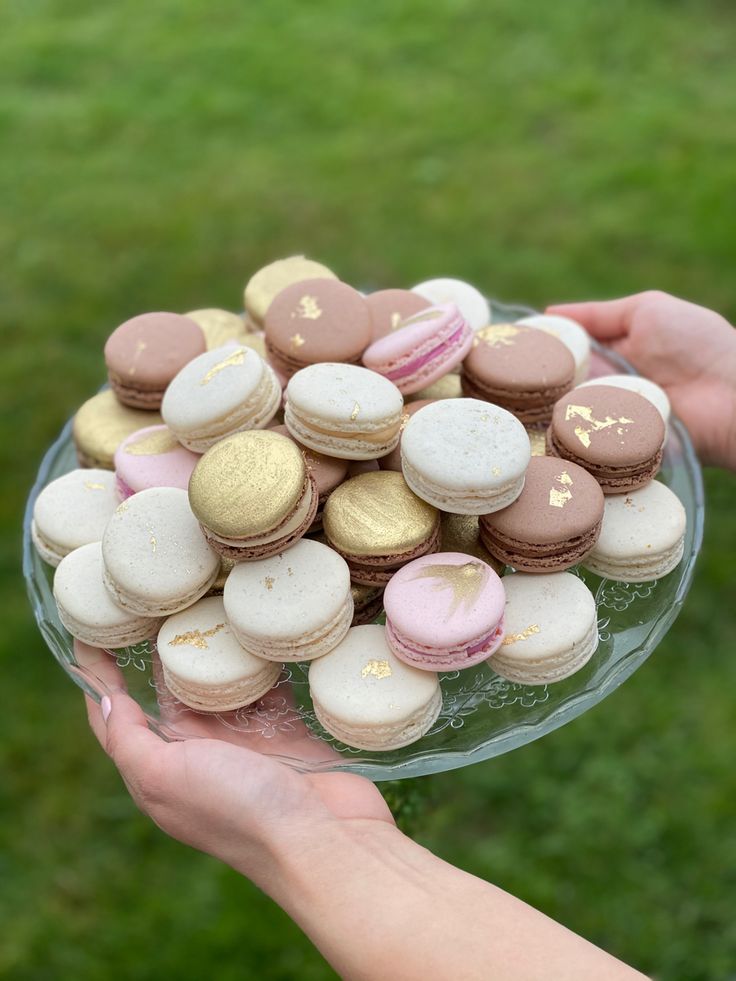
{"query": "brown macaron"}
[(316, 320), (554, 522), (615, 434), (389, 307), (144, 353), (327, 472), (522, 369), (392, 460)]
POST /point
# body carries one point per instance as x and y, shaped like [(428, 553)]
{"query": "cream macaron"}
[(367, 698), (343, 410), (551, 628), (156, 558), (294, 606), (218, 326), (203, 664), (470, 301), (465, 456), (87, 609), (642, 386), (224, 391), (72, 511)]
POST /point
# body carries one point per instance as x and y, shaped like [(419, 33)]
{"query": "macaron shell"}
[(375, 701), (153, 457), (471, 302), (218, 326), (642, 535), (269, 281), (572, 335), (445, 600), (551, 628), (328, 472), (72, 511), (102, 423), (392, 460), (389, 307), (642, 386)]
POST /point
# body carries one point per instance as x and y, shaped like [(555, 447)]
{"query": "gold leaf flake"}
[(558, 498), (196, 638), (376, 669), (532, 629), (91, 485), (297, 340), (395, 320), (308, 308), (268, 582), (122, 507), (162, 441), (496, 471), (466, 581), (355, 413), (237, 357), (140, 347), (585, 412), (498, 335)]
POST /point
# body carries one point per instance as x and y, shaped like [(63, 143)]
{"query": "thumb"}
[(128, 740), (606, 320)]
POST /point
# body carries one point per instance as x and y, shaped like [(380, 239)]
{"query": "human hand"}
[(688, 350), (234, 803)]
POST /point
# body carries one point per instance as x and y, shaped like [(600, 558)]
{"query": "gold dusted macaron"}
[(378, 524), (219, 326), (447, 387), (100, 426), (461, 533), (253, 495), (265, 284), (538, 441)]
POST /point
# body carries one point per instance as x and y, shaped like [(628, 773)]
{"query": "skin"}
[(324, 846)]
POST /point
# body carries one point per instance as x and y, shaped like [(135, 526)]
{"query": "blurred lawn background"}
[(156, 154)]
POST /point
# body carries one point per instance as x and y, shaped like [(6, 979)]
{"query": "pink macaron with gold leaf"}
[(444, 612), (423, 349)]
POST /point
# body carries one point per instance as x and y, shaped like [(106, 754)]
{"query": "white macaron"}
[(470, 301), (72, 511)]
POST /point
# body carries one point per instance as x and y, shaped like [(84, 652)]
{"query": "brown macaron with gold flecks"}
[(265, 284), (614, 434), (100, 426), (392, 460), (314, 321), (522, 369), (144, 354), (389, 307), (553, 524), (253, 495), (461, 533), (327, 471), (378, 524)]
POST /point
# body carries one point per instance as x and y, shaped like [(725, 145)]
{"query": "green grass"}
[(154, 155)]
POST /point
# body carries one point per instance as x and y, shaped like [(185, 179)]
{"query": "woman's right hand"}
[(689, 350)]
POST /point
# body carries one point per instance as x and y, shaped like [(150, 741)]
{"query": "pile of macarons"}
[(256, 490)]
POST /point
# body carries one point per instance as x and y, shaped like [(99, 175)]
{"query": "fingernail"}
[(106, 707)]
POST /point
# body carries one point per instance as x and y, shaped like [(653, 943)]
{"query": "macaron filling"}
[(414, 365), (445, 658), (544, 670), (613, 479), (531, 557)]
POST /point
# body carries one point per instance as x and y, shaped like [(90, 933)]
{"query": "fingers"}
[(607, 320)]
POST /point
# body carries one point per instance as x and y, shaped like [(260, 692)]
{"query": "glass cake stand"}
[(482, 715)]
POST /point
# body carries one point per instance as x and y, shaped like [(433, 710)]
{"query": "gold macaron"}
[(376, 514), (248, 484), (102, 423), (447, 387), (263, 285), (219, 326), (460, 533)]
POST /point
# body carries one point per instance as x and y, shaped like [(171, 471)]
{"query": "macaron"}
[(295, 606), (314, 321), (367, 603), (614, 434), (87, 609), (389, 307), (366, 697), (222, 392), (444, 612), (553, 524), (377, 524), (327, 472), (156, 561), (219, 326), (551, 628), (144, 354), (447, 387), (465, 456), (522, 369), (461, 533), (203, 664), (572, 335), (253, 495), (423, 349), (643, 535), (152, 457), (344, 411), (265, 284), (392, 460), (101, 424), (72, 511), (471, 302), (642, 386), (537, 441)]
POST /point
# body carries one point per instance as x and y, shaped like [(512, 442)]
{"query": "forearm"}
[(378, 905)]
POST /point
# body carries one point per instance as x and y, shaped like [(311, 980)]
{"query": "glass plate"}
[(482, 715)]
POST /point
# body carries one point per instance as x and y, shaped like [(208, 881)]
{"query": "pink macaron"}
[(444, 612), (152, 457), (423, 349)]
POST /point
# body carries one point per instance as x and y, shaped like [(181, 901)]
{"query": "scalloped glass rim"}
[(641, 616)]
